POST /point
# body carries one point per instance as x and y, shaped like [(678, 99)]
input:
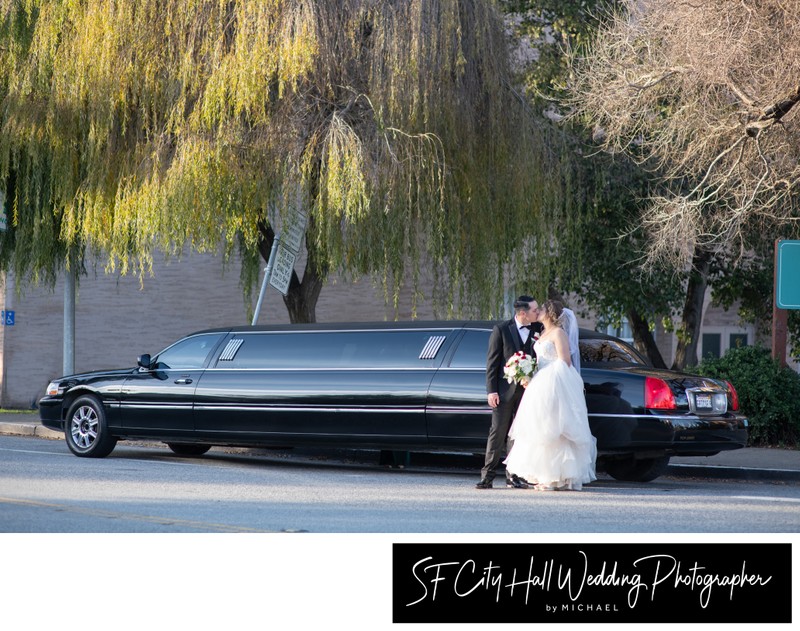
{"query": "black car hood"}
[(114, 372)]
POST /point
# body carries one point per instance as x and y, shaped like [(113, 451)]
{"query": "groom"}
[(506, 339)]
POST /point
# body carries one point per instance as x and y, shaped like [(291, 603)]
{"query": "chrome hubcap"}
[(83, 427)]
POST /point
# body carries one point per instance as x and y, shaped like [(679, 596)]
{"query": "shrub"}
[(769, 394)]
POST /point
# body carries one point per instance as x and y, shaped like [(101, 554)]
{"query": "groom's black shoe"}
[(486, 483), (515, 482)]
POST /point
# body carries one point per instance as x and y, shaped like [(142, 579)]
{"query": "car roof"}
[(354, 326), (392, 325)]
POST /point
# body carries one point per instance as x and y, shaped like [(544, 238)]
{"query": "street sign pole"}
[(70, 281), (282, 257), (780, 317), (293, 230), (267, 273)]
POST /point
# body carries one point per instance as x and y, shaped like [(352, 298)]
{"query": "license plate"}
[(703, 401)]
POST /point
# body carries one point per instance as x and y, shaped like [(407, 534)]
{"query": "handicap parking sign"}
[(7, 317)]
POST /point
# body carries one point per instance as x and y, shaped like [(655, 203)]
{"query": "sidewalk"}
[(747, 464)]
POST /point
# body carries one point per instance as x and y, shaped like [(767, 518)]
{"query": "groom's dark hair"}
[(523, 302)]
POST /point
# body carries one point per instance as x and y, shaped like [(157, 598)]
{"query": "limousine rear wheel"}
[(643, 470), (86, 430), (188, 449)]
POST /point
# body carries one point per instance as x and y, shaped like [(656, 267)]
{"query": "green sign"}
[(787, 275)]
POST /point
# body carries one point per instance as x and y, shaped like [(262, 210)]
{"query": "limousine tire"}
[(188, 449), (86, 430), (632, 470)]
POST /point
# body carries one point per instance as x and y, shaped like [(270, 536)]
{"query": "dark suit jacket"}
[(503, 343)]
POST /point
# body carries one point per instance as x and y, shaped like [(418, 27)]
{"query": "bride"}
[(553, 447)]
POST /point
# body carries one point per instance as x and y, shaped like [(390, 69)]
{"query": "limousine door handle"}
[(183, 380)]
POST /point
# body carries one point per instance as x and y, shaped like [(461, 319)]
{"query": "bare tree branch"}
[(774, 113), (705, 95)]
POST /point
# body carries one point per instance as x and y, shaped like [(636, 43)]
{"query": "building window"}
[(712, 345), (624, 331), (716, 341), (737, 340)]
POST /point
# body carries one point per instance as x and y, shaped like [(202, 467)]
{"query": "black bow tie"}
[(526, 326)]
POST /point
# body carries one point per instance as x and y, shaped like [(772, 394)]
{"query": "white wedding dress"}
[(553, 446)]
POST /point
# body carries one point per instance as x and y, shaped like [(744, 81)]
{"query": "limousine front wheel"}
[(86, 430), (643, 470)]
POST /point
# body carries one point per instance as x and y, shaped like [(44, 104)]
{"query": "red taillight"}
[(658, 395), (734, 396)]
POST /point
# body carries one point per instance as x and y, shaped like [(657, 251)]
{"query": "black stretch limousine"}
[(404, 386)]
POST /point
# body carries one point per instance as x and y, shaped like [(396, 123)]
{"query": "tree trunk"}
[(689, 331), (644, 340), (302, 296), (301, 300)]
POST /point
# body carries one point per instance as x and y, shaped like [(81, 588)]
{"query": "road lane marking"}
[(118, 459), (32, 451), (765, 498), (163, 520)]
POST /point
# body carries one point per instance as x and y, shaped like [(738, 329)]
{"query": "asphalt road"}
[(138, 489)]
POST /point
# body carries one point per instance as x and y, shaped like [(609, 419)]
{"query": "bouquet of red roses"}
[(519, 368)]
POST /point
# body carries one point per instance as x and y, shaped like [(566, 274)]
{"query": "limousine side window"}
[(471, 351), (341, 349), (603, 351), (189, 353)]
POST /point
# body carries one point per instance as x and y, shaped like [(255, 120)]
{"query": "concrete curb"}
[(30, 429)]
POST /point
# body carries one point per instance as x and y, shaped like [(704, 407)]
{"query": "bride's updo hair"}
[(553, 309)]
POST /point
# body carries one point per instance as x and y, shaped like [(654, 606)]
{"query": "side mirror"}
[(144, 362)]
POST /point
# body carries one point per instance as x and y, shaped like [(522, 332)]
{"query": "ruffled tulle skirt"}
[(553, 446)]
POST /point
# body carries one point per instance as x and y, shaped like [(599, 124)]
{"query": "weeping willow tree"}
[(136, 126)]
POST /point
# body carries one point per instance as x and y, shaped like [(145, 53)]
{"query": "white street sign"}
[(293, 231), (282, 257), (282, 270)]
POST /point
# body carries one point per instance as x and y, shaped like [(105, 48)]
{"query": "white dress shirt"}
[(523, 332)]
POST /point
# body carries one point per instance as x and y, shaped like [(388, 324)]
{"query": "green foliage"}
[(603, 238), (607, 275), (769, 394), (135, 126), (553, 27), (606, 239)]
